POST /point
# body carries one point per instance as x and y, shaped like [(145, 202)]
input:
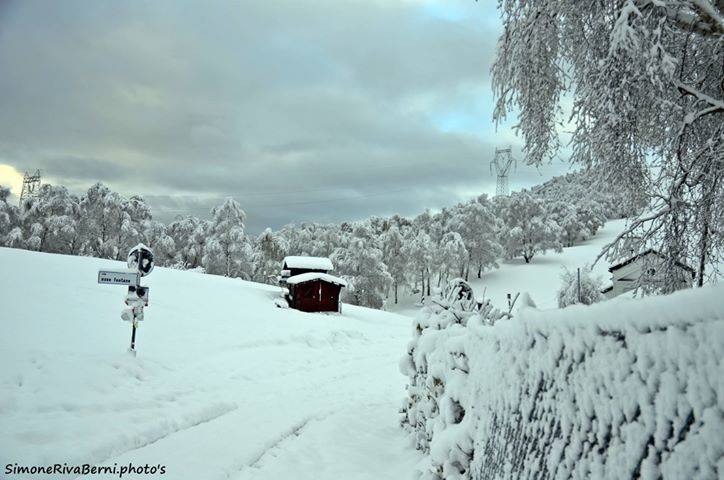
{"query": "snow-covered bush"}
[(436, 363), (590, 288), (624, 389)]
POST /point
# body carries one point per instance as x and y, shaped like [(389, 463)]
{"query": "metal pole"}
[(133, 336), (579, 284)]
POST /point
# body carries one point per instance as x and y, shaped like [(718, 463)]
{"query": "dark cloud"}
[(303, 111)]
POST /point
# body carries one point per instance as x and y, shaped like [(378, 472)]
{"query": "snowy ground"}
[(540, 278), (225, 385)]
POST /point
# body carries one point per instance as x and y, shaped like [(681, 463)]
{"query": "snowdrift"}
[(622, 389), (225, 385)]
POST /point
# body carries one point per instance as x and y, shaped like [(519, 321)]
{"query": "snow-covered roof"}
[(312, 263), (308, 277), (650, 251)]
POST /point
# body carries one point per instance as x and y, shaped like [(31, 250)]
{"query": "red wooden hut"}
[(315, 292), (311, 287)]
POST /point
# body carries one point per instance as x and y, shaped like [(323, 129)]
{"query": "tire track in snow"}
[(292, 432), (162, 431)]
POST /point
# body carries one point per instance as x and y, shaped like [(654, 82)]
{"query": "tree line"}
[(379, 257)]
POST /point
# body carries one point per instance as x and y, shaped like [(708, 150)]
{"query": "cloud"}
[(316, 111), (11, 178)]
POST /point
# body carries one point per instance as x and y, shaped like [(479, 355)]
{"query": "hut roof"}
[(310, 263), (650, 251), (308, 277)]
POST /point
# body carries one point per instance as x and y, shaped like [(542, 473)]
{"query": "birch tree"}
[(9, 215), (227, 249), (646, 82)]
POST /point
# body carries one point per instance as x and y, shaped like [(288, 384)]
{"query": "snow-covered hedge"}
[(621, 389)]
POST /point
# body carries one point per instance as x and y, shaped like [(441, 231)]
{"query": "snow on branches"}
[(378, 257), (645, 78), (602, 391)]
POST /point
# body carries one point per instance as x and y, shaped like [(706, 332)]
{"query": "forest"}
[(379, 257)]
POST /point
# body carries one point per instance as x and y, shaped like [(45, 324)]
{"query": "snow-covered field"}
[(540, 278), (225, 385)]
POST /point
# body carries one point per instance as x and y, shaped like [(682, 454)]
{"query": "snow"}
[(308, 277), (541, 278), (225, 385), (620, 389), (312, 263)]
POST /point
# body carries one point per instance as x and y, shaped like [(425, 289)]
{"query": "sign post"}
[(140, 263), (111, 277)]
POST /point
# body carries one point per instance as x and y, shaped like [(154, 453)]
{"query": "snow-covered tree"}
[(360, 264), (136, 225), (572, 226), (528, 228), (645, 81), (590, 288), (109, 224), (478, 226), (101, 218), (9, 215), (393, 257), (50, 220), (453, 256), (227, 250), (188, 234), (155, 236), (269, 252), (418, 252)]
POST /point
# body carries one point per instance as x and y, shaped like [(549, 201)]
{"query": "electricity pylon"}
[(502, 162), (31, 185)]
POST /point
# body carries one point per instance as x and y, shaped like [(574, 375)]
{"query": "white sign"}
[(110, 277)]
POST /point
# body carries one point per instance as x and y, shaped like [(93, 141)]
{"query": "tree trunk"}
[(422, 285), (395, 293)]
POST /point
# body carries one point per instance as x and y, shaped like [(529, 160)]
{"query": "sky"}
[(302, 111)]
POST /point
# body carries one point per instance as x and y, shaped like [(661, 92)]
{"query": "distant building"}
[(310, 286), (626, 275)]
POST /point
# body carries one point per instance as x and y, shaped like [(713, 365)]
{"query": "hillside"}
[(540, 278), (225, 384)]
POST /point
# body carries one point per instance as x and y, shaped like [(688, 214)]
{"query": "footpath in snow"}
[(225, 386)]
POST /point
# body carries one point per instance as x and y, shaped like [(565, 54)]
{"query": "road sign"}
[(110, 277), (141, 258)]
